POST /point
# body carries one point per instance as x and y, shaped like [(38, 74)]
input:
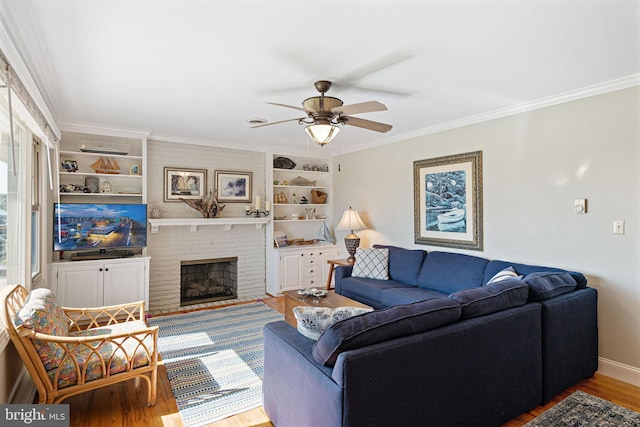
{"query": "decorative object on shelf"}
[(285, 182), (258, 211), (69, 165), (351, 221), (155, 212), (134, 169), (280, 239), (310, 212), (318, 197), (187, 184), (106, 187), (283, 163), (280, 198), (73, 188), (207, 206), (233, 186), (106, 166), (324, 167), (101, 148), (276, 182), (294, 198), (324, 234), (302, 182), (304, 200), (92, 183), (324, 114), (448, 201)]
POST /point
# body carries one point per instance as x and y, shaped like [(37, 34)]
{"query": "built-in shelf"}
[(194, 223)]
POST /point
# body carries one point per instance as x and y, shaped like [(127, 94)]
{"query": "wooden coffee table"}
[(331, 300)]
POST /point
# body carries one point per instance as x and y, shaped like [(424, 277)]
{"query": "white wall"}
[(534, 164)]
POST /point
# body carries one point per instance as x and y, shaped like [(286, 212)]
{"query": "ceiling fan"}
[(326, 113)]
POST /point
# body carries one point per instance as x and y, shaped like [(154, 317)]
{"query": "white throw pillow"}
[(507, 273), (312, 321), (371, 263)]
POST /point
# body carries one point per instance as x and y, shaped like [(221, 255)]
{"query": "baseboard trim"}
[(24, 391), (619, 371)]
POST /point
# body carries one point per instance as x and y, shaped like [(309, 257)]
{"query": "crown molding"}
[(561, 98), (103, 130)]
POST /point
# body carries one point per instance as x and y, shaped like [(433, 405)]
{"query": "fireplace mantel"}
[(194, 223)]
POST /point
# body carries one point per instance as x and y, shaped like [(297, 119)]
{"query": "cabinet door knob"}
[(106, 269), (100, 269)]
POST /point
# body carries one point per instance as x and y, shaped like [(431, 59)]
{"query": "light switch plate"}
[(618, 227)]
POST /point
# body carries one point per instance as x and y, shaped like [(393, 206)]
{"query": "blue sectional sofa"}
[(446, 346)]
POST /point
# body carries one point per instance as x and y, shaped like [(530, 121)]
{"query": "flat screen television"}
[(99, 227)]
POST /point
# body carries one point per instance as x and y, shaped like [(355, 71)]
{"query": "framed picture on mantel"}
[(180, 183), (448, 201), (233, 187)]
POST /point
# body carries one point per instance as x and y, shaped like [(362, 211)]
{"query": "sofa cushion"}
[(449, 272), (407, 295), (524, 269), (493, 297), (544, 285), (368, 291), (507, 273), (371, 263), (41, 313), (312, 321), (383, 325), (404, 264)]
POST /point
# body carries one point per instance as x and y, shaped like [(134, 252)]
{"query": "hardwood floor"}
[(124, 404)]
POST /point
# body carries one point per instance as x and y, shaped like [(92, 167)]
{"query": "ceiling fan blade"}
[(275, 123), (287, 106), (362, 107), (366, 124), (378, 64)]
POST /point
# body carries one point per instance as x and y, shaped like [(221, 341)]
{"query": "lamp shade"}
[(322, 133), (351, 221)]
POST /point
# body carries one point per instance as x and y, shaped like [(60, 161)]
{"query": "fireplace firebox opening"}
[(208, 280)]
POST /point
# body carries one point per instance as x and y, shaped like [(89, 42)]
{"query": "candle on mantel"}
[(258, 202), (267, 205)]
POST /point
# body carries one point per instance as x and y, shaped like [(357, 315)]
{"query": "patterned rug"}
[(214, 359), (584, 410)]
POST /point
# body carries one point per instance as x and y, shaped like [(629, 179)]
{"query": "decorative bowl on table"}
[(312, 292)]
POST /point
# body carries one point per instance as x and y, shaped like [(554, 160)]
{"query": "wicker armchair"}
[(68, 351)]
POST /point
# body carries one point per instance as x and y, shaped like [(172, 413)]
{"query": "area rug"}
[(584, 410), (214, 359)]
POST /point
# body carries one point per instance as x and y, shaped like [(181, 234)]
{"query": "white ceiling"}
[(199, 69)]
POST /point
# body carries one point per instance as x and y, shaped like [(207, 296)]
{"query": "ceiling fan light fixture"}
[(322, 134)]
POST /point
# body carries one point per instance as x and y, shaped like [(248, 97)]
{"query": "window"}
[(36, 216), (12, 203)]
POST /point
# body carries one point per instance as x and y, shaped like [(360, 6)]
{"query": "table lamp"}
[(351, 221)]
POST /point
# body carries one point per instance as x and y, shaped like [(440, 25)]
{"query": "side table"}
[(332, 263)]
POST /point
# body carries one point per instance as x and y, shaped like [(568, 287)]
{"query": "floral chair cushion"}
[(41, 313), (116, 355)]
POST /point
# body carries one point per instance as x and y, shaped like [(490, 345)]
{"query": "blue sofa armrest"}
[(570, 340), (340, 273), (297, 390)]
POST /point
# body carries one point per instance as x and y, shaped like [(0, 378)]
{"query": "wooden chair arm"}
[(153, 330), (87, 318)]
